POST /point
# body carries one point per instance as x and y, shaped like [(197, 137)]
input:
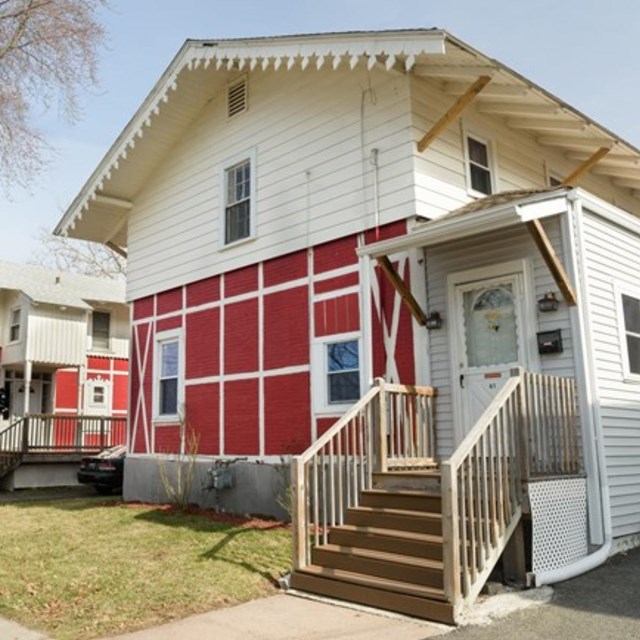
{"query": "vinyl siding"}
[(312, 133), (513, 243), (612, 260)]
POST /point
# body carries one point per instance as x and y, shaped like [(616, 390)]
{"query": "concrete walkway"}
[(602, 604)]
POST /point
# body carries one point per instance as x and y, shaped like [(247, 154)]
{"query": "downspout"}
[(599, 556)]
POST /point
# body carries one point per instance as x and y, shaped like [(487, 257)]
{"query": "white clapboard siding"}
[(612, 257), (56, 336), (313, 133), (500, 246), (520, 161)]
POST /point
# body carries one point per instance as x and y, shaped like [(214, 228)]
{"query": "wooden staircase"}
[(388, 552)]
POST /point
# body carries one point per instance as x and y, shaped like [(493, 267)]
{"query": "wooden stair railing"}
[(11, 447)]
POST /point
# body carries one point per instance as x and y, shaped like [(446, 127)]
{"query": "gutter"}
[(599, 556)]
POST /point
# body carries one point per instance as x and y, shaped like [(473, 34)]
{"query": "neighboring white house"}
[(264, 191)]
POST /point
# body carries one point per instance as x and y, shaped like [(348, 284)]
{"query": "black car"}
[(104, 471)]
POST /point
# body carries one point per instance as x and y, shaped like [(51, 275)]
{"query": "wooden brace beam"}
[(403, 290), (555, 266), (454, 112), (119, 250), (585, 166)]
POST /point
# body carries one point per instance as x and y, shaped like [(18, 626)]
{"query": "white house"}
[(304, 214)]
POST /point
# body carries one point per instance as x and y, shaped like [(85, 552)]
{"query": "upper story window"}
[(238, 188), (479, 169), (631, 335), (14, 325), (100, 330)]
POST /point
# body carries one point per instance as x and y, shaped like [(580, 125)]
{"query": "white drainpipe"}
[(599, 556)]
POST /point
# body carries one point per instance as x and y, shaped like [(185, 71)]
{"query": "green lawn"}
[(86, 568)]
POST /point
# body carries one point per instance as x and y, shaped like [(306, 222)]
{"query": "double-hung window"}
[(479, 171), (169, 375), (100, 330), (14, 325), (630, 333), (237, 211)]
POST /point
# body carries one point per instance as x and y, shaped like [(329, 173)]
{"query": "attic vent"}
[(237, 98)]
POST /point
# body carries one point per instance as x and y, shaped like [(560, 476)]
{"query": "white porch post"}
[(28, 370)]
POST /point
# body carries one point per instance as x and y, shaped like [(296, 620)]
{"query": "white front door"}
[(489, 342)]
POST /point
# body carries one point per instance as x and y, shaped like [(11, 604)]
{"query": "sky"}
[(583, 51)]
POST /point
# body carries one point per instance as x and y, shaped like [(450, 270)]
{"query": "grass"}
[(78, 569)]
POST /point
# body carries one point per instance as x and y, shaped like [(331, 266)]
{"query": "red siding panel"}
[(103, 364), (66, 383), (203, 291), (241, 337), (120, 392), (143, 308), (341, 282), (241, 422), (167, 439), (392, 230), (322, 424), (241, 281), (286, 328), (169, 301), (166, 324), (203, 416), (335, 254), (120, 365), (287, 414), (337, 315), (203, 344), (285, 268)]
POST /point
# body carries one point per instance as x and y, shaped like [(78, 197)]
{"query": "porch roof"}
[(493, 212)]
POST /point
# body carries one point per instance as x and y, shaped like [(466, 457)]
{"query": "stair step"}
[(381, 564), (408, 543), (402, 519), (418, 601), (402, 499), (422, 480)]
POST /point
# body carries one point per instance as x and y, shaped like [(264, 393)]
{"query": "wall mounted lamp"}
[(434, 321), (548, 302)]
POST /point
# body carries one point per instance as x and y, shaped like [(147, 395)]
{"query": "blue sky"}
[(585, 52)]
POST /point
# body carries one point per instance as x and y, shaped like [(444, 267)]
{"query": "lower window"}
[(631, 315), (168, 374)]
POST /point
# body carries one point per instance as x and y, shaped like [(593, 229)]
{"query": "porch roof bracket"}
[(553, 263), (454, 112), (585, 166), (114, 247), (404, 291)]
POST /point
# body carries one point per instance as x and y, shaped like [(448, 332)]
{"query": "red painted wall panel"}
[(203, 344), (169, 301), (166, 324), (120, 364), (203, 291), (120, 392), (336, 254), (167, 439), (241, 281), (143, 308), (241, 421), (341, 282), (241, 336), (392, 230), (66, 395), (285, 268), (337, 315), (287, 414), (98, 363), (322, 424), (203, 416), (286, 328)]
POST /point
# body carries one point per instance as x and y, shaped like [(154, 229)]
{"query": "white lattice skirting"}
[(559, 522)]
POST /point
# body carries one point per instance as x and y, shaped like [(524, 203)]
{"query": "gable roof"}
[(60, 288), (202, 68)]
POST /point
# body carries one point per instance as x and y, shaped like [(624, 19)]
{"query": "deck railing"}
[(391, 426), (530, 429), (51, 433)]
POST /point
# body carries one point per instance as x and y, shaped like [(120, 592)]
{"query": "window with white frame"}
[(337, 373), (98, 395), (168, 374), (631, 334), (479, 170), (238, 204), (100, 330), (14, 324)]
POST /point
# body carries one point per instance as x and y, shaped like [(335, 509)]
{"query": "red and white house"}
[(303, 214), (65, 343)]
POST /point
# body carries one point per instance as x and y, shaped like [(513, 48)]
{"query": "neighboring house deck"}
[(64, 340), (306, 215)]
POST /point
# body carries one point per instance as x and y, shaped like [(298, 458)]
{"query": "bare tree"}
[(48, 52), (77, 256)]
